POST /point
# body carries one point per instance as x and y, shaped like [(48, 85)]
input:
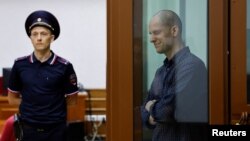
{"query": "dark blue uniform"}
[(43, 87)]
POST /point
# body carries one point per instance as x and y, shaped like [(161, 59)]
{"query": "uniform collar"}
[(50, 61)]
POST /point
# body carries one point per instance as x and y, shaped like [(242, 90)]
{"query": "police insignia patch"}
[(73, 79)]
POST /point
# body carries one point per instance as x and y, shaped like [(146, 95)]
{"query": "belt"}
[(39, 128)]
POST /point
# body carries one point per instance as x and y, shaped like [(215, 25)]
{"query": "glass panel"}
[(248, 51), (194, 34)]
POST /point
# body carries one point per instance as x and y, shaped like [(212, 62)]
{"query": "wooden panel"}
[(137, 67), (96, 111), (218, 61), (119, 71), (3, 99), (6, 110), (2, 122), (96, 99), (97, 93), (77, 112), (238, 58), (96, 102)]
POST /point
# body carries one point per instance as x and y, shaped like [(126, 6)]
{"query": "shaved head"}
[(169, 18)]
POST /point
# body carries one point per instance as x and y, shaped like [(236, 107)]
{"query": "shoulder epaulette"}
[(21, 58), (62, 60)]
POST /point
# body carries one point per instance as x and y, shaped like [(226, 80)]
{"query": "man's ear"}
[(174, 30), (52, 38)]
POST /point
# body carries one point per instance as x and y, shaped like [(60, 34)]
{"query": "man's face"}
[(160, 36), (41, 38)]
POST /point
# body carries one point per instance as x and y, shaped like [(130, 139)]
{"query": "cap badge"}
[(39, 19)]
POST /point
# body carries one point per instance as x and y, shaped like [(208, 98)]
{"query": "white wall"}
[(82, 40)]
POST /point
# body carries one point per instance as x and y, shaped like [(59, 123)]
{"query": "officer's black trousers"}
[(51, 133)]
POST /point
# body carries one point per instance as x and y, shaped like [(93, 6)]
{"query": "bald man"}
[(176, 105)]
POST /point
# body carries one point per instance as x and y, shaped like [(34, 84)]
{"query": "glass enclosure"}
[(193, 14)]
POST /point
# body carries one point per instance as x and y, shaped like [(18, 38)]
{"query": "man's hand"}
[(147, 107), (151, 120), (149, 104)]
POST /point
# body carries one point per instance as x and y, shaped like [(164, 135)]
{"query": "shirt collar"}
[(177, 57), (50, 61)]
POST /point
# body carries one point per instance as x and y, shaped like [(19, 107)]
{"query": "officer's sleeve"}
[(15, 84), (70, 86)]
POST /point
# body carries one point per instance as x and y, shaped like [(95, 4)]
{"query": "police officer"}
[(42, 83)]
